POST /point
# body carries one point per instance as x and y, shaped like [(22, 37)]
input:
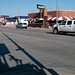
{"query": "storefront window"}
[(53, 22), (40, 21)]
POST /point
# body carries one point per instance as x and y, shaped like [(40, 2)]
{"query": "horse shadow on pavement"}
[(19, 68), (23, 67), (18, 61)]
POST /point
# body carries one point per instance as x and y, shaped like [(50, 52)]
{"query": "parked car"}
[(67, 26), (22, 25)]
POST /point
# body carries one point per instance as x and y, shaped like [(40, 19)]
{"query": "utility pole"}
[(0, 15), (0, 11), (57, 12), (18, 12)]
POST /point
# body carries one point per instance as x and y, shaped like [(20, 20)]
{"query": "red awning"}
[(59, 18)]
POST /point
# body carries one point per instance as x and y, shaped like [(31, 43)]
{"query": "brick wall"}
[(53, 14), (33, 15), (35, 25), (62, 13)]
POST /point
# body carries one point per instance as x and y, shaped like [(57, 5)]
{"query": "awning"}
[(41, 19), (33, 19), (59, 18), (4, 16), (22, 17), (26, 19), (12, 18)]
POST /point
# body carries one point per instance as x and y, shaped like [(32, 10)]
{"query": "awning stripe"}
[(59, 18), (33, 19)]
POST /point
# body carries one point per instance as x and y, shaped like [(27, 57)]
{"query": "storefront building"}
[(49, 18), (15, 20), (3, 20)]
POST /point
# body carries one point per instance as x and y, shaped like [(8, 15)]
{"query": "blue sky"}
[(10, 7)]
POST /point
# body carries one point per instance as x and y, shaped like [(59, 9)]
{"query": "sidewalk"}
[(10, 25), (64, 72), (28, 27), (7, 25)]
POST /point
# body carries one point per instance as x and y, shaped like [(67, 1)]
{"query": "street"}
[(35, 49)]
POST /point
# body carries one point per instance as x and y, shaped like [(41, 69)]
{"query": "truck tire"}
[(20, 27), (55, 31), (25, 27), (64, 33)]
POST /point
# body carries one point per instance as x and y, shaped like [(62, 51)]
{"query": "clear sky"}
[(11, 7)]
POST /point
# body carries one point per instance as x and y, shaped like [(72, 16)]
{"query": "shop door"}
[(45, 24)]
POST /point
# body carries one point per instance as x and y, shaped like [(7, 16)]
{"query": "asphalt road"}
[(37, 48)]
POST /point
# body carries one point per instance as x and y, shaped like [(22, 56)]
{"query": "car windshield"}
[(25, 23), (20, 23)]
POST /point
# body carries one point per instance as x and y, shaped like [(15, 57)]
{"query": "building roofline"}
[(61, 10), (34, 13)]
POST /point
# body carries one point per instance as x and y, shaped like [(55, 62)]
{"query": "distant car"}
[(22, 25)]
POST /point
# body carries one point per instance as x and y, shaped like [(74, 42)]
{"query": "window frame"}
[(63, 23), (69, 23), (74, 23)]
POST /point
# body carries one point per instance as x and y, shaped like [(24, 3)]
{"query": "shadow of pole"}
[(32, 58)]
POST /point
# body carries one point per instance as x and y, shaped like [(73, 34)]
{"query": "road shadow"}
[(51, 71), (18, 61), (68, 34), (27, 68), (49, 32), (3, 51)]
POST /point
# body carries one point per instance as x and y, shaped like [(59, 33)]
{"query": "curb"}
[(45, 72)]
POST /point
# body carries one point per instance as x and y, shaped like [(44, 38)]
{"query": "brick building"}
[(49, 18)]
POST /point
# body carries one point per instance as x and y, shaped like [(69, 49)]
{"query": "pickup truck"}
[(64, 27)]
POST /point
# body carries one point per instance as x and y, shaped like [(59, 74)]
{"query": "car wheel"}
[(16, 27), (64, 33), (25, 27), (20, 27), (55, 31)]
